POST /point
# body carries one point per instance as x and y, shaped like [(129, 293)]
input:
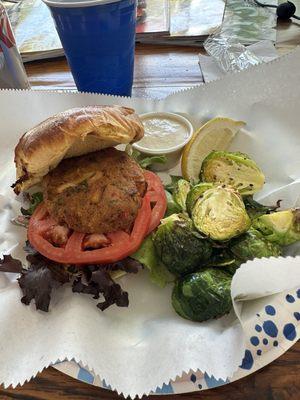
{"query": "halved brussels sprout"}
[(203, 295), (195, 193), (180, 192), (179, 246), (232, 168), (281, 227), (254, 245), (220, 213)]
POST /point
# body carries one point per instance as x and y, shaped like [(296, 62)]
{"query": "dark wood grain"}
[(159, 71), (277, 381)]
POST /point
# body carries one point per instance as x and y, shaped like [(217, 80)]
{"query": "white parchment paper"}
[(138, 349)]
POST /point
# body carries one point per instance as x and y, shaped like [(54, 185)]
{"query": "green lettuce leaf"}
[(144, 162), (172, 206), (147, 256), (34, 200), (147, 162)]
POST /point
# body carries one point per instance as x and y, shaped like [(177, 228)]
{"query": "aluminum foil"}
[(244, 23)]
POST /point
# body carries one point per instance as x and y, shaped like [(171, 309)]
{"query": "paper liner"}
[(141, 348)]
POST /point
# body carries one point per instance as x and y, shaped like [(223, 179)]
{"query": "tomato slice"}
[(121, 245), (157, 198)]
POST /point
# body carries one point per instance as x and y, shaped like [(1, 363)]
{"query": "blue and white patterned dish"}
[(269, 339)]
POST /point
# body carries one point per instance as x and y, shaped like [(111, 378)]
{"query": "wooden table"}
[(159, 71)]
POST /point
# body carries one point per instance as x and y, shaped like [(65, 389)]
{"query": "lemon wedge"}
[(216, 134)]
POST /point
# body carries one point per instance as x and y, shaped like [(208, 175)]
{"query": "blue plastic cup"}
[(98, 37)]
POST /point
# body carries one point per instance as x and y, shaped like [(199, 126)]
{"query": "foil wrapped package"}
[(244, 23), (229, 54)]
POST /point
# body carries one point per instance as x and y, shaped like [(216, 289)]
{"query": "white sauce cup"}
[(172, 153)]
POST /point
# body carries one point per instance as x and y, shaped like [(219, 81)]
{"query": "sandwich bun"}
[(72, 133)]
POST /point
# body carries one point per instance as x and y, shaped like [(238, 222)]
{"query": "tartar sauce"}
[(163, 132)]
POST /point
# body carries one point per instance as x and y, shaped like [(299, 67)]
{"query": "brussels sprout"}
[(221, 258), (203, 295), (194, 194), (180, 192), (255, 209), (179, 246), (224, 260), (171, 185), (220, 213), (253, 245), (282, 227), (234, 169), (172, 206), (231, 269)]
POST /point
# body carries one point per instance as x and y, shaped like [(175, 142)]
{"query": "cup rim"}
[(168, 150), (73, 4)]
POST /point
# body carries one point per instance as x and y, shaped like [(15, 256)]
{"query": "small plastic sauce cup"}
[(172, 153)]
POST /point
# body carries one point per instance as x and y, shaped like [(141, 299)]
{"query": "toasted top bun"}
[(69, 134)]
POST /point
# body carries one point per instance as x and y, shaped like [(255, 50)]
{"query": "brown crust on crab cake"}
[(99, 192)]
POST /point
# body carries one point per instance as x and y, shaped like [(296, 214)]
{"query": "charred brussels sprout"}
[(225, 260), (179, 246), (255, 209), (220, 213), (180, 192), (253, 245), (195, 193), (203, 295), (231, 269), (282, 227), (234, 169)]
